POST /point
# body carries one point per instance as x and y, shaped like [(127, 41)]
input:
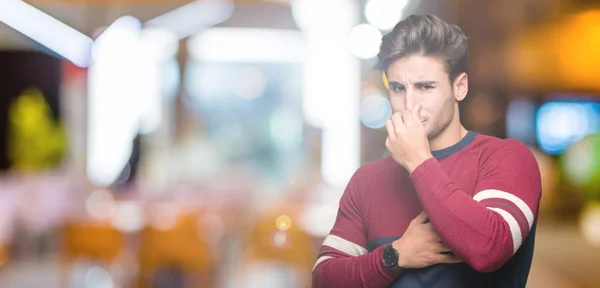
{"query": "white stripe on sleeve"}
[(492, 193), (344, 245), (515, 230), (321, 260)]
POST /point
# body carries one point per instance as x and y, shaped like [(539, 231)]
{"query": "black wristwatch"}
[(390, 257)]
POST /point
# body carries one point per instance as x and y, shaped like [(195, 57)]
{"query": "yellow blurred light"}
[(35, 140), (579, 60), (385, 81), (589, 223), (283, 222), (561, 55)]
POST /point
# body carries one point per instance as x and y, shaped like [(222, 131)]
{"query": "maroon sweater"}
[(481, 195)]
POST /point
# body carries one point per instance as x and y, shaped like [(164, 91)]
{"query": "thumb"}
[(417, 112)]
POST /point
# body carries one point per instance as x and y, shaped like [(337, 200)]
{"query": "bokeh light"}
[(283, 222), (375, 110), (520, 120), (384, 14), (98, 278), (581, 164), (590, 223), (100, 204), (561, 123), (364, 41), (128, 217), (280, 239)]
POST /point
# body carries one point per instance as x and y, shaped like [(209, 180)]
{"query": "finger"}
[(420, 218), (388, 144), (389, 126), (439, 247), (447, 259), (433, 236), (398, 122), (416, 112), (426, 220), (431, 230), (407, 117)]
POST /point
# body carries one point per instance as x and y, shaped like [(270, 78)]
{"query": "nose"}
[(409, 100)]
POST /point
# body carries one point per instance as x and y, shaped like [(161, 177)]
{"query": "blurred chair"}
[(177, 248), (95, 241)]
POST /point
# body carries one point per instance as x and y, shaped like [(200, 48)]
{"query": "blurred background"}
[(207, 143)]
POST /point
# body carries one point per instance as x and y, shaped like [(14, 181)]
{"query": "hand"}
[(421, 246), (407, 139)]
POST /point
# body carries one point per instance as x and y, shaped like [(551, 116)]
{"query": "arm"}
[(486, 230), (343, 259)]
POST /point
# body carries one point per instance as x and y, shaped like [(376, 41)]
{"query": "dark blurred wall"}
[(20, 70)]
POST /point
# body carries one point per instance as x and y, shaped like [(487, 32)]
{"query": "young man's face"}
[(423, 80)]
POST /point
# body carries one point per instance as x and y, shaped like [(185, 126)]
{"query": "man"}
[(450, 207)]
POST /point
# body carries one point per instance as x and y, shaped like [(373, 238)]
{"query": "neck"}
[(450, 136)]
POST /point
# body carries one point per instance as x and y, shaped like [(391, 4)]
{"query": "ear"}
[(461, 87)]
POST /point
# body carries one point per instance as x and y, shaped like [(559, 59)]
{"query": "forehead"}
[(417, 67)]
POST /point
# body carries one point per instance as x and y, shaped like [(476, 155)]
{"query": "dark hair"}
[(426, 35)]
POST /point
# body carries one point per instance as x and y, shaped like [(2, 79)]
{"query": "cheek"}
[(435, 108), (430, 107), (397, 103)]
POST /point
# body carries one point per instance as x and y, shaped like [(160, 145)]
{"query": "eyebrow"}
[(419, 83), (425, 83), (395, 83)]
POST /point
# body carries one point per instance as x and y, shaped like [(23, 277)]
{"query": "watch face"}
[(390, 256)]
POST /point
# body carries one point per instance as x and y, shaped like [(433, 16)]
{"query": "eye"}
[(427, 87), (397, 88)]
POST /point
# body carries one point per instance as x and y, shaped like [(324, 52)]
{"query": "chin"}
[(430, 130)]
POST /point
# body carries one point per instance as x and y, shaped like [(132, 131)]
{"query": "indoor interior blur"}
[(178, 143)]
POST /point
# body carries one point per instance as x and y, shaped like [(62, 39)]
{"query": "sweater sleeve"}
[(487, 229), (343, 259)]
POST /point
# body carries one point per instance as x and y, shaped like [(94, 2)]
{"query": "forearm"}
[(476, 234), (346, 271)]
